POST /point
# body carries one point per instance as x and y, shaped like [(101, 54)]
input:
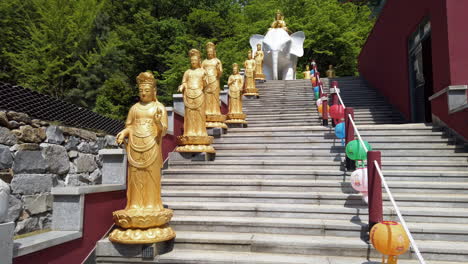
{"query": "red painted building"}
[(417, 57)]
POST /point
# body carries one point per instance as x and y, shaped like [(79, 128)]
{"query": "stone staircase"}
[(278, 193)]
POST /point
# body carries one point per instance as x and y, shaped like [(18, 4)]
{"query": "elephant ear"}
[(297, 47), (254, 40)]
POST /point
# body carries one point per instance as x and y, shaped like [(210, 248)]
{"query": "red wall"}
[(170, 141), (97, 220), (383, 61)]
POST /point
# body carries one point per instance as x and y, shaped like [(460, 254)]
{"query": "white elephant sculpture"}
[(281, 52)]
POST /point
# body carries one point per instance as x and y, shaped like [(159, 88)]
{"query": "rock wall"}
[(35, 156)]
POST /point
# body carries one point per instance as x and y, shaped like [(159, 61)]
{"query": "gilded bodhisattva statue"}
[(235, 82), (259, 55), (144, 219), (250, 66), (279, 22), (330, 72), (194, 83), (307, 73), (214, 70)]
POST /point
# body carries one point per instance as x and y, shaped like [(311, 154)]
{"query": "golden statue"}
[(214, 69), (235, 82), (194, 83), (259, 63), (330, 72), (144, 219), (250, 66), (279, 22), (307, 73)]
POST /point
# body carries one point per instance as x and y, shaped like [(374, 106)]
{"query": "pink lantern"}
[(319, 102), (359, 180)]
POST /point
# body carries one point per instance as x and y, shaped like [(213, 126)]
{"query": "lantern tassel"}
[(392, 259)]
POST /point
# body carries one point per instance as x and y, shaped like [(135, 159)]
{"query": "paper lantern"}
[(319, 102), (390, 239), (340, 130), (314, 81), (316, 95), (321, 106), (337, 111), (359, 179), (316, 89), (355, 151)]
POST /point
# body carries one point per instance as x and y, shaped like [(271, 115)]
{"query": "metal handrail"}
[(339, 97), (357, 132), (387, 189), (400, 216)]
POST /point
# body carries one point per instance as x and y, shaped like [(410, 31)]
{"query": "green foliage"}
[(90, 51)]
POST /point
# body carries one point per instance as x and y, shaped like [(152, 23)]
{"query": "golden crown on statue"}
[(194, 52), (146, 78), (210, 45)]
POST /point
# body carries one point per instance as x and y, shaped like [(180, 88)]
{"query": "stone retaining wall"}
[(35, 156)]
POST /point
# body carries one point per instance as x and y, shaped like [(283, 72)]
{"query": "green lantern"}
[(355, 151), (316, 95)]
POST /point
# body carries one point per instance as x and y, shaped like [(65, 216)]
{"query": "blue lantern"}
[(340, 132)]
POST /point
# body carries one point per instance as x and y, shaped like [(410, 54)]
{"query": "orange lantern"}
[(320, 108), (313, 79), (389, 238)]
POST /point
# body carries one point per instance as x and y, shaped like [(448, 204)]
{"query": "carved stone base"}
[(215, 118), (142, 218), (236, 116), (191, 140), (237, 125), (196, 148), (259, 76), (216, 124), (142, 236)]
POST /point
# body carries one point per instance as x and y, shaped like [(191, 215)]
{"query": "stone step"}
[(247, 257), (395, 175), (312, 211), (389, 127), (319, 164), (335, 198), (324, 155), (309, 245), (330, 138), (308, 185), (308, 226), (326, 134), (382, 146)]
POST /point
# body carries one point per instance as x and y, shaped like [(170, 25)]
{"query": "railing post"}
[(325, 110), (335, 100), (374, 188), (350, 165)]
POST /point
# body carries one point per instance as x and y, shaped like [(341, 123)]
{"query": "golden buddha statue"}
[(307, 73), (235, 82), (279, 22), (250, 66), (259, 55), (194, 83), (214, 70), (330, 72), (144, 219)]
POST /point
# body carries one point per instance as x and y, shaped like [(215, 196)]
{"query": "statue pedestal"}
[(216, 132), (195, 144), (108, 252), (6, 242), (215, 121), (195, 156), (251, 96), (236, 125)]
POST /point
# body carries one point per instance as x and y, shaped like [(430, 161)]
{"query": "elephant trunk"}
[(275, 64)]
